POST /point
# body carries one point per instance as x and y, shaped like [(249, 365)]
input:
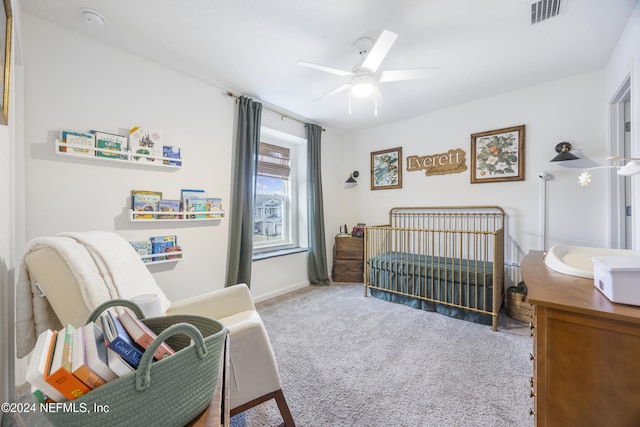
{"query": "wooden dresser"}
[(586, 351), (348, 258)]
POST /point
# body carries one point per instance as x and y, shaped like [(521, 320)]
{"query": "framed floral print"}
[(498, 155), (386, 169)]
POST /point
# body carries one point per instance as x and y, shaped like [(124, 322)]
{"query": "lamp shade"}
[(352, 177), (631, 168), (564, 153)]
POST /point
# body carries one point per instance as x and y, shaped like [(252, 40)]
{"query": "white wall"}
[(567, 110), (76, 83)]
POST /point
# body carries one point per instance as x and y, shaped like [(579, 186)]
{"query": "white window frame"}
[(296, 204)]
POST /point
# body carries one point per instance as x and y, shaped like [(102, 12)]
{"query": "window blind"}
[(273, 161)]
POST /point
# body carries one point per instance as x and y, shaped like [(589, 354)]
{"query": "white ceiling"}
[(481, 47)]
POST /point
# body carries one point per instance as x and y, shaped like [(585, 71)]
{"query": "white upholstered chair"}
[(62, 273)]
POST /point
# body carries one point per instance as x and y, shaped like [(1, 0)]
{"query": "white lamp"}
[(631, 168)]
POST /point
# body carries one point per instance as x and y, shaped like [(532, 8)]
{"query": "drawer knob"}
[(532, 393), (531, 326), (531, 411), (531, 382), (531, 356)]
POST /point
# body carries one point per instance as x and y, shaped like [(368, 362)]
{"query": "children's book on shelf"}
[(59, 375), (187, 196), (197, 204), (39, 366), (79, 365), (78, 139), (214, 207), (174, 249), (146, 143), (166, 205), (171, 152), (110, 141), (96, 352), (118, 339), (142, 335), (160, 244), (142, 247), (142, 200)]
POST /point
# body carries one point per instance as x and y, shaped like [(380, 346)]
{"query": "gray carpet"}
[(347, 360)]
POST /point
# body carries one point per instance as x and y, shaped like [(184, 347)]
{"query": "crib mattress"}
[(441, 268), (409, 278)]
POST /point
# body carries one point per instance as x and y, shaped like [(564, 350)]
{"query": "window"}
[(279, 193)]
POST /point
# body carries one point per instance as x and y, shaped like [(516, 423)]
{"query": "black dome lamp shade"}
[(352, 177), (564, 153)]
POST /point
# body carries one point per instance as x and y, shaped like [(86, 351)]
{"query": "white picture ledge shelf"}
[(178, 216), (163, 258), (129, 157)]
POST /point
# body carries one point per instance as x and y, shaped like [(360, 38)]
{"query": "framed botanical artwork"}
[(498, 155), (386, 169), (5, 58)]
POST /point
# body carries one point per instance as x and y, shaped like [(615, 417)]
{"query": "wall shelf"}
[(129, 156), (165, 258), (209, 216)]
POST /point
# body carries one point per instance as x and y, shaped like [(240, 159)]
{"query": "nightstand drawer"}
[(349, 248)]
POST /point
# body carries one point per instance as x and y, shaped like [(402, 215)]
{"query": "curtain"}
[(317, 261), (244, 182)]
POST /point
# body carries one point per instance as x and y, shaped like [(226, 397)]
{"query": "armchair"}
[(71, 270)]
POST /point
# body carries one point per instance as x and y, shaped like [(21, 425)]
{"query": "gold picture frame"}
[(386, 169), (5, 57), (498, 155)]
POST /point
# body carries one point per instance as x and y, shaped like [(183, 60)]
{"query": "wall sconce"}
[(352, 177), (564, 153)]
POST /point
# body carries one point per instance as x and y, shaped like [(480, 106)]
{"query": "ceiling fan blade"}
[(334, 91), (417, 73), (379, 50), (326, 69)]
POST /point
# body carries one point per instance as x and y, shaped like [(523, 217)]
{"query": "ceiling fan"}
[(365, 76)]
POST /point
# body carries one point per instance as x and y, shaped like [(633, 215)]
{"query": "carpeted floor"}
[(347, 360), (350, 361)]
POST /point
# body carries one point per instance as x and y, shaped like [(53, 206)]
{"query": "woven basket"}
[(168, 392), (517, 306)]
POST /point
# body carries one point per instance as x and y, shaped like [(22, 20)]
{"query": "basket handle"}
[(143, 373), (95, 314)]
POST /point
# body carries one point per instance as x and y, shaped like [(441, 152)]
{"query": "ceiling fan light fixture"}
[(363, 85)]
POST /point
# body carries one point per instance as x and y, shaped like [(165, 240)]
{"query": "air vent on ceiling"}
[(544, 9)]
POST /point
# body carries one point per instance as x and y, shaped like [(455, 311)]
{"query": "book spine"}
[(70, 387), (129, 353)]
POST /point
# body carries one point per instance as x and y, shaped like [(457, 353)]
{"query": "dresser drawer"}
[(349, 248), (347, 270)]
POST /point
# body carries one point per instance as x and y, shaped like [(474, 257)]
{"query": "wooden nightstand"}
[(348, 259)]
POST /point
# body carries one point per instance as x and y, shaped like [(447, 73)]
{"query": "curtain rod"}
[(280, 113)]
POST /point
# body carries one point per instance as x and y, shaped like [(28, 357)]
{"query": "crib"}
[(445, 259)]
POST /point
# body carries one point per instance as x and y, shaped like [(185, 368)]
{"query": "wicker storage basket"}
[(517, 306), (168, 392)]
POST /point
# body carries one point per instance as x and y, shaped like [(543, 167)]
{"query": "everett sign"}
[(453, 161)]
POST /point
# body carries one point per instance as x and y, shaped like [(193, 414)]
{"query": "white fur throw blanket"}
[(105, 267)]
